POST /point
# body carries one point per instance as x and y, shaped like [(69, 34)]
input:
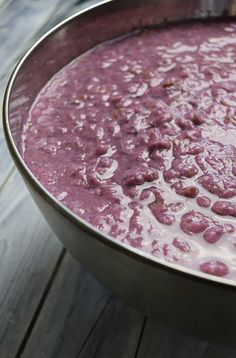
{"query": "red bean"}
[(224, 208), (193, 223), (214, 267), (204, 201), (213, 235)]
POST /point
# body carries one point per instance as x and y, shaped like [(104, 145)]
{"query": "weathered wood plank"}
[(82, 5), (218, 352), (2, 2), (28, 255), (6, 164), (117, 333), (163, 342), (21, 23), (73, 306)]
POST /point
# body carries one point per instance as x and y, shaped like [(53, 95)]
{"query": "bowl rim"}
[(106, 239)]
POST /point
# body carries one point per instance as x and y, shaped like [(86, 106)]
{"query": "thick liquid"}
[(138, 138)]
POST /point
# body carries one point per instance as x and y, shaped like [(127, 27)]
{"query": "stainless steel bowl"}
[(197, 303)]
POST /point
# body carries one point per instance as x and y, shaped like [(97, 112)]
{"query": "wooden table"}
[(49, 305)]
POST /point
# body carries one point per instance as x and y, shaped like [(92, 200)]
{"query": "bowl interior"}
[(81, 32)]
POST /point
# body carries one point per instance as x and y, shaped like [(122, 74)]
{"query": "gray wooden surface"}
[(49, 305)]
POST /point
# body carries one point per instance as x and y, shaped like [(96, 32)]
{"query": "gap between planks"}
[(41, 303)]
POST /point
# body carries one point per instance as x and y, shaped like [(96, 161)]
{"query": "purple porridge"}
[(138, 136)]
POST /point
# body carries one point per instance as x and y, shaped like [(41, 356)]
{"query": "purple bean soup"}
[(138, 137)]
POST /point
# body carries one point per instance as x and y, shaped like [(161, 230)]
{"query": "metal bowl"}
[(197, 303)]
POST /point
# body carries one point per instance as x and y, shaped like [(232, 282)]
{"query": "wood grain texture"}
[(163, 342), (28, 255), (6, 164), (28, 250), (73, 306), (218, 352), (159, 341), (21, 23), (117, 333)]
